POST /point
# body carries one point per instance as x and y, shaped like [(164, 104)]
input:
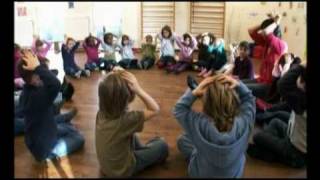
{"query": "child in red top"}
[(268, 35)]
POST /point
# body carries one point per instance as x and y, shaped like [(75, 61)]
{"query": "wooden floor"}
[(166, 89)]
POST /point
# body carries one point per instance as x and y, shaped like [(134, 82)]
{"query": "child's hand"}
[(228, 80), (201, 88), (30, 59), (132, 81)]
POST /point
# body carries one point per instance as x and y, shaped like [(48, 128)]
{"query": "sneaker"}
[(87, 73), (78, 74)]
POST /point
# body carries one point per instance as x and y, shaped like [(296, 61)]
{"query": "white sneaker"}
[(87, 72), (78, 75)]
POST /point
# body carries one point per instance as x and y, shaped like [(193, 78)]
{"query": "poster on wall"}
[(22, 11)]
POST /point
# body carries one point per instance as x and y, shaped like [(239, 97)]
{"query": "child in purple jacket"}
[(187, 44)]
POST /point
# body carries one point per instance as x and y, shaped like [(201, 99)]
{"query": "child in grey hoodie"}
[(215, 140)]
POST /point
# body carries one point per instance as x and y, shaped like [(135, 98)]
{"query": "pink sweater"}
[(43, 52), (92, 51), (186, 51), (274, 48)]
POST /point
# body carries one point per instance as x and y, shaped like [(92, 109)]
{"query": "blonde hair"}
[(114, 95), (221, 104)]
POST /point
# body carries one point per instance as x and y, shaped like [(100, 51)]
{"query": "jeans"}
[(155, 151), (204, 64), (273, 144), (180, 66), (69, 140), (259, 90), (267, 116), (91, 66), (107, 64), (165, 61), (185, 146), (147, 63), (129, 63), (72, 71)]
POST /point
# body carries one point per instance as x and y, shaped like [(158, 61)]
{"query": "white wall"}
[(239, 17)]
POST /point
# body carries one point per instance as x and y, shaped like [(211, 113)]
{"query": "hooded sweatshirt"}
[(217, 154)]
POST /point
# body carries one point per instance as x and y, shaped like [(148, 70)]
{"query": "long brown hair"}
[(221, 104), (114, 95)]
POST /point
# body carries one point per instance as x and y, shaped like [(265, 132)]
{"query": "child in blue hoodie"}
[(215, 140)]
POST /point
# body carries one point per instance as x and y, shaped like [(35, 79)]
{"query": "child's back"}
[(215, 152), (113, 142)]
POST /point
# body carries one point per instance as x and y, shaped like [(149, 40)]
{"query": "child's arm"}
[(152, 108), (48, 46), (178, 40), (194, 42), (98, 42), (51, 85), (75, 46)]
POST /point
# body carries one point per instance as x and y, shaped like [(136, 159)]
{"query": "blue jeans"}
[(185, 146), (69, 140), (107, 64), (91, 66), (155, 151), (72, 71), (129, 63), (147, 62)]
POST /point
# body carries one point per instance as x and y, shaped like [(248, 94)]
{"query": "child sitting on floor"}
[(110, 48), (215, 141), (148, 53), (205, 56), (167, 52), (70, 68), (91, 46), (219, 56), (119, 151), (128, 59), (284, 140), (18, 81), (242, 67), (47, 136), (187, 44), (38, 49)]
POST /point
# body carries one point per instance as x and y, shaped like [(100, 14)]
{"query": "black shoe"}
[(192, 83), (67, 93)]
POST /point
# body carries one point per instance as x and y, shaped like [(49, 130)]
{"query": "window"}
[(207, 17), (154, 15)]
